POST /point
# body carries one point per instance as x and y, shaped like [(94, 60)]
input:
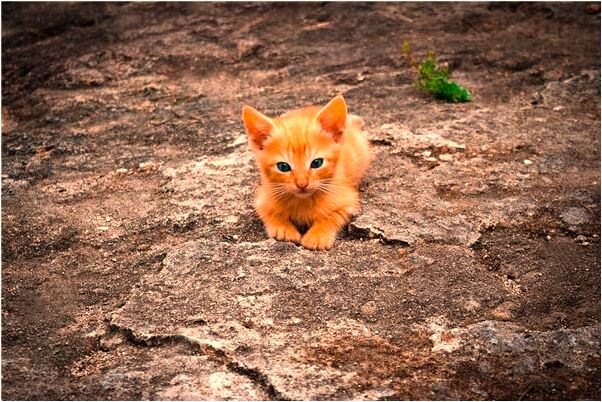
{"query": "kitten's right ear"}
[(333, 116), (258, 126)]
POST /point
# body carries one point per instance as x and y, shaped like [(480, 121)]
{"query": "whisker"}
[(327, 188), (276, 190)]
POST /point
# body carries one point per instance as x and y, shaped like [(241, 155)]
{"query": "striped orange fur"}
[(320, 199)]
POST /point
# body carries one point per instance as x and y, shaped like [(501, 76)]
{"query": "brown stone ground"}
[(133, 266)]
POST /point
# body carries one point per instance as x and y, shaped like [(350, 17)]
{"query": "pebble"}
[(503, 312), (528, 162), (403, 250), (148, 166), (169, 172), (121, 171), (369, 308), (103, 228)]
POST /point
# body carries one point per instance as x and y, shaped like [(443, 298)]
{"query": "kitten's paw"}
[(317, 241), (284, 233)]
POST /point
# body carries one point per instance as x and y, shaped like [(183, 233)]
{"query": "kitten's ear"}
[(258, 126), (332, 117)]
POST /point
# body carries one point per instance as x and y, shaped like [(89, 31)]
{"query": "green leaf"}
[(435, 80), (452, 92)]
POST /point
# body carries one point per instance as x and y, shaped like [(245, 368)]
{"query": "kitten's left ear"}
[(333, 116)]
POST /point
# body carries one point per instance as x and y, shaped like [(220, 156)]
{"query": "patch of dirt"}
[(540, 257)]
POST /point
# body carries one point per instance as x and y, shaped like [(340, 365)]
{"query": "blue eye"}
[(283, 167), (316, 163)]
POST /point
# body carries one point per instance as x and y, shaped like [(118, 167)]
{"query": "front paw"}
[(284, 233), (317, 241)]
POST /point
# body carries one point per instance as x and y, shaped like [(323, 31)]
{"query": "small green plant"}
[(434, 79)]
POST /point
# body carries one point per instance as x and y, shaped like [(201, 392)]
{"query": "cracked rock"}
[(350, 305)]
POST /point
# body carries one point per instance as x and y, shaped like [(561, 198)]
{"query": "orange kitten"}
[(311, 161)]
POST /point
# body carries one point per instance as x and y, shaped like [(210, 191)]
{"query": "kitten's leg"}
[(281, 229), (323, 232), (277, 226)]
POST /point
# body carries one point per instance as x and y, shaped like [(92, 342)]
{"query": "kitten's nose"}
[(301, 184)]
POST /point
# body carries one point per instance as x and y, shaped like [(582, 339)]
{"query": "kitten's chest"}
[(302, 213), (302, 216)]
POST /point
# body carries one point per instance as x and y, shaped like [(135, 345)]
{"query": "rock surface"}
[(134, 267), (361, 322)]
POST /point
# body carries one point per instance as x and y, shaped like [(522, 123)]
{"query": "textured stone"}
[(576, 216), (300, 331)]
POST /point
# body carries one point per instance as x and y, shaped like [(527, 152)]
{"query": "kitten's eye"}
[(316, 163), (283, 167)]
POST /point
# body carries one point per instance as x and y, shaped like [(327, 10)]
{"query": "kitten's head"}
[(297, 152)]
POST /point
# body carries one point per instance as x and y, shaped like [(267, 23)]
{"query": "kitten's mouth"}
[(303, 193)]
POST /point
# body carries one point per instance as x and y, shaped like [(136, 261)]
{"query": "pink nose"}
[(302, 185)]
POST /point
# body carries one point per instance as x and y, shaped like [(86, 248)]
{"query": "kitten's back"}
[(356, 154)]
